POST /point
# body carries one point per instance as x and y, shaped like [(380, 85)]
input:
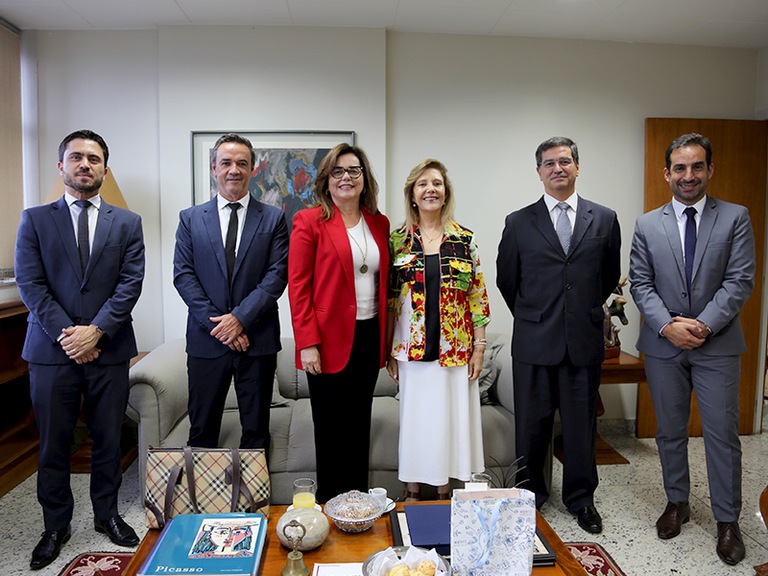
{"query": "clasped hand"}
[(230, 332), (685, 333), (79, 343)]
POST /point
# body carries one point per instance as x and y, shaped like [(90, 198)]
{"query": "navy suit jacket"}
[(59, 295), (723, 276), (259, 277), (557, 299)]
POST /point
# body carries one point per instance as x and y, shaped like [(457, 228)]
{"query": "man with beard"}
[(79, 268), (692, 267)]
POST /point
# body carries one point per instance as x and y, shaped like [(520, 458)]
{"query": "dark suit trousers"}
[(56, 392), (539, 392), (341, 412), (716, 382), (209, 381)]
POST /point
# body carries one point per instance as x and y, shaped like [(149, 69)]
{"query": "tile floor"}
[(630, 498)]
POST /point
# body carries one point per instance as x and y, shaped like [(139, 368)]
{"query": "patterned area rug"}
[(98, 564), (594, 559)]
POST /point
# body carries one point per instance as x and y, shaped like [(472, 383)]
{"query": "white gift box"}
[(493, 532)]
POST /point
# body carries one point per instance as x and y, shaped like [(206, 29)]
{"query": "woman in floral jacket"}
[(438, 310)]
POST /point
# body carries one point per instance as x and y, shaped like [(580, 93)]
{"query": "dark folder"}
[(430, 526)]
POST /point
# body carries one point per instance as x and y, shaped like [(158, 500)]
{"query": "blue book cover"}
[(208, 545), (430, 526)]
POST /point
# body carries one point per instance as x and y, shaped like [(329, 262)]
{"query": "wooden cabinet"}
[(18, 433)]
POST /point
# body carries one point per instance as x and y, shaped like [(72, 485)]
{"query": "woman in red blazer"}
[(337, 285)]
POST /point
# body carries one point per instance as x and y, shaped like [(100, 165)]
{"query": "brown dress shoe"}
[(674, 516), (730, 546)]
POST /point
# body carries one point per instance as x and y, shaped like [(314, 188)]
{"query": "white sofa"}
[(158, 404)]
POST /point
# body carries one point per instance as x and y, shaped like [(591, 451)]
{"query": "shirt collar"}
[(551, 202), (223, 202), (94, 200), (679, 207)]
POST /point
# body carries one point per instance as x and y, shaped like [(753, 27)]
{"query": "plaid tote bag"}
[(204, 481)]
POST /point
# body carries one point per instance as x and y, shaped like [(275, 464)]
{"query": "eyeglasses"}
[(354, 172), (563, 162)]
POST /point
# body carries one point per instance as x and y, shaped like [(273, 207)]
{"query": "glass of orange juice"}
[(304, 493)]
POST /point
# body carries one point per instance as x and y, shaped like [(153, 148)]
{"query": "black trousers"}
[(341, 412), (57, 391), (540, 391), (209, 380)]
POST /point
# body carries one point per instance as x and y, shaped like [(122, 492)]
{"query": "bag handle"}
[(189, 465), (239, 487), (162, 517), (233, 477)]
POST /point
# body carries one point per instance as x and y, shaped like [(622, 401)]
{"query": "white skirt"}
[(441, 435)]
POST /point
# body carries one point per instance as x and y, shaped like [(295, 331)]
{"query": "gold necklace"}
[(427, 236), (364, 267)]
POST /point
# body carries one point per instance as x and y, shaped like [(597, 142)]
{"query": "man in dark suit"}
[(79, 268), (558, 262), (230, 267), (692, 268)]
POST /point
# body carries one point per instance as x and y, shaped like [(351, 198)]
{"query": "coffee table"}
[(343, 547)]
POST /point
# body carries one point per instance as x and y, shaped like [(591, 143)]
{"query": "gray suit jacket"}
[(723, 276)]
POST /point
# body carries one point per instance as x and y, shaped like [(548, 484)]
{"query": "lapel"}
[(706, 225), (63, 221), (672, 231), (337, 232), (103, 225), (543, 222), (213, 229), (581, 223), (253, 217)]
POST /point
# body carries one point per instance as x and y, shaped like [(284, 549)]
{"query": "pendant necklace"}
[(424, 232), (364, 267)]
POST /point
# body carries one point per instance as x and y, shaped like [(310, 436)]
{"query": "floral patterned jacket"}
[(463, 297)]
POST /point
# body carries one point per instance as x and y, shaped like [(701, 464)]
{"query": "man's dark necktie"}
[(83, 242), (690, 246), (229, 245)]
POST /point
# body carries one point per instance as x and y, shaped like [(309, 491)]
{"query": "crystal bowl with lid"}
[(353, 511)]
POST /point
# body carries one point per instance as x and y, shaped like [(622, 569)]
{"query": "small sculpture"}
[(611, 331)]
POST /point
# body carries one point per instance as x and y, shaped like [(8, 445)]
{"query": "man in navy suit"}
[(79, 268), (692, 268), (558, 262), (230, 267)]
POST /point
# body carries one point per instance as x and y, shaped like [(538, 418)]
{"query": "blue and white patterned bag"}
[(493, 532)]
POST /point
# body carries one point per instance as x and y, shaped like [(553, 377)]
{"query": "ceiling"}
[(721, 23)]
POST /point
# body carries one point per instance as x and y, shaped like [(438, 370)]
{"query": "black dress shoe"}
[(669, 523), (730, 546), (47, 550), (117, 530), (589, 519)]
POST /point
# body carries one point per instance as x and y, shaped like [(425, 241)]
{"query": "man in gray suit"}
[(692, 267), (559, 259)]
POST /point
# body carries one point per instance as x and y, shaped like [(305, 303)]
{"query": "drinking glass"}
[(304, 493)]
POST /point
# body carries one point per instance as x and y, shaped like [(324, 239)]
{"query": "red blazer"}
[(321, 286)]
